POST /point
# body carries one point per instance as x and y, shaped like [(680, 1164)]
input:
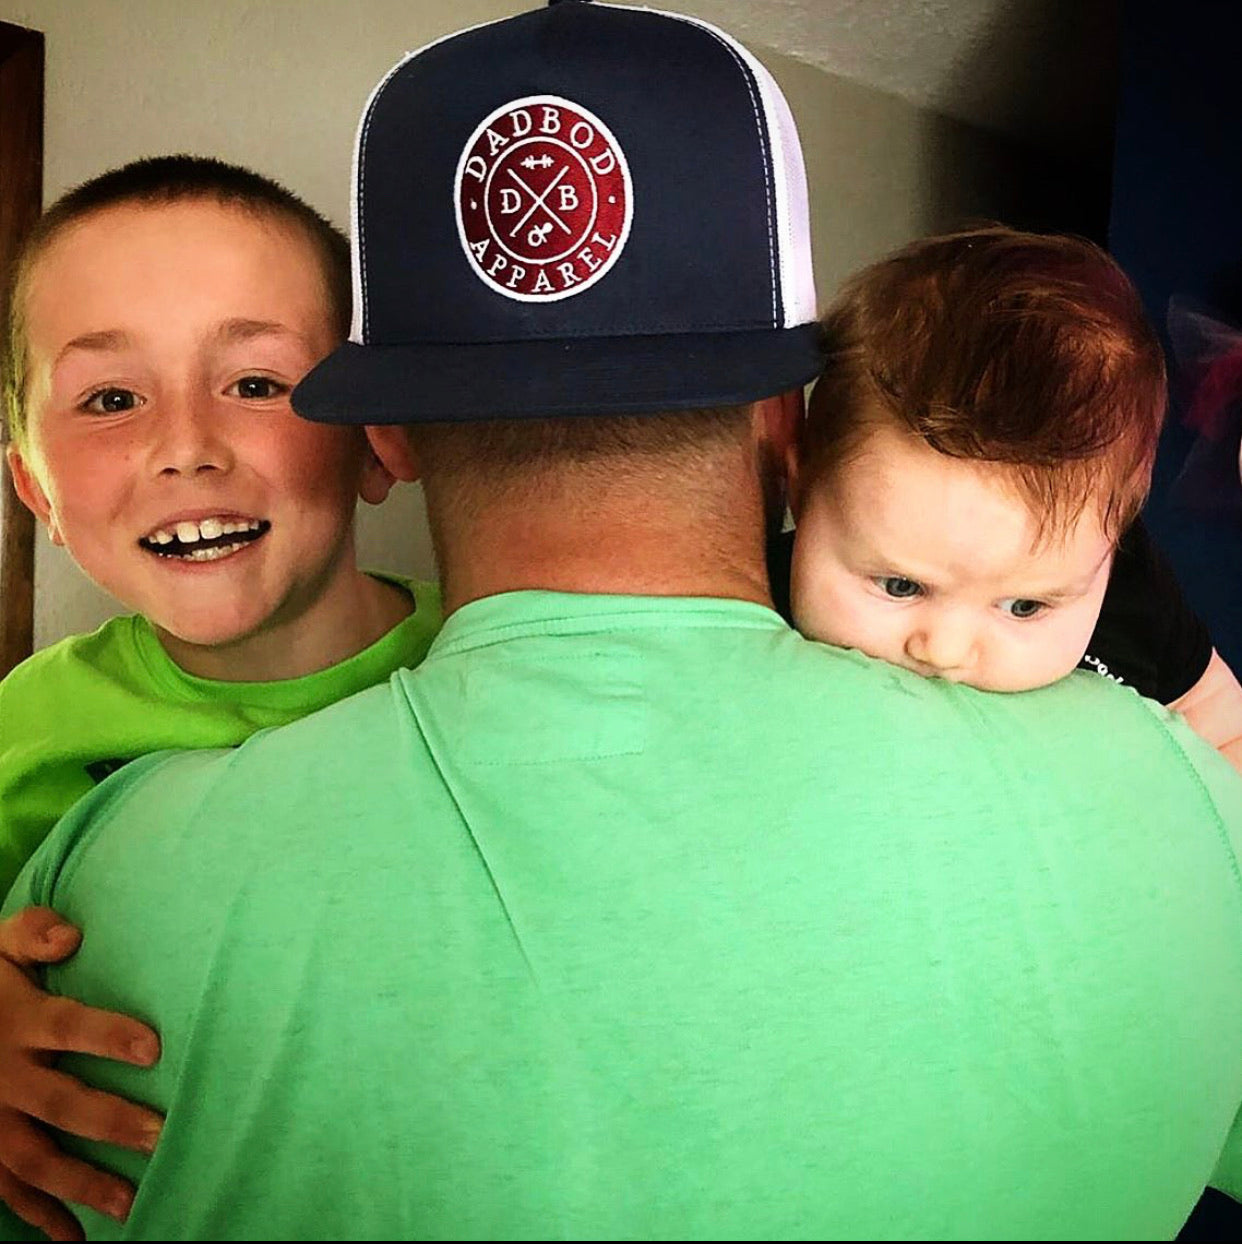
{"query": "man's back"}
[(630, 917)]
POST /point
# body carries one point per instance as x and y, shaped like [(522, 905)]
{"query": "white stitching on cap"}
[(360, 185), (360, 190)]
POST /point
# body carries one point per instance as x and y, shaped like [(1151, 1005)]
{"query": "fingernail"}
[(59, 937), (119, 1205), (150, 1137), (144, 1050)]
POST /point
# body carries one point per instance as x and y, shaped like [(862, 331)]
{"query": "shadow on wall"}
[(1049, 74), (883, 172)]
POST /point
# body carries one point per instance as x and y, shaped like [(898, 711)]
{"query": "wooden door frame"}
[(21, 199)]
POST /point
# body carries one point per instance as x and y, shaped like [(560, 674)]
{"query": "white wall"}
[(279, 84)]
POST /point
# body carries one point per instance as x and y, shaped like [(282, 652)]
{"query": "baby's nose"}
[(945, 646)]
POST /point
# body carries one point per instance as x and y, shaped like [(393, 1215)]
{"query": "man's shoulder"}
[(234, 798), (339, 735), (161, 785), (880, 706)]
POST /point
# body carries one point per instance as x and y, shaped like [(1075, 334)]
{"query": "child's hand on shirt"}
[(35, 1175)]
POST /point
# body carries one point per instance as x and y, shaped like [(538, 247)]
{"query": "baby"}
[(969, 476)]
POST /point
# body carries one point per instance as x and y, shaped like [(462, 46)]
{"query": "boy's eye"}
[(899, 587), (258, 388), (1021, 608), (111, 401)]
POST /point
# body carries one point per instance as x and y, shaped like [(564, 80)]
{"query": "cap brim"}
[(443, 383)]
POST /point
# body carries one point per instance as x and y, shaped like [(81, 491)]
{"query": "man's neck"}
[(614, 548)]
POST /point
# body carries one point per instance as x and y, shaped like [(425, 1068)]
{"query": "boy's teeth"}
[(213, 554), (188, 532)]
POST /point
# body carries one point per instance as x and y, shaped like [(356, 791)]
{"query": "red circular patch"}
[(543, 199)]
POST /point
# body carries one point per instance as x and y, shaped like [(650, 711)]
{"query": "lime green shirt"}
[(80, 709), (632, 918)]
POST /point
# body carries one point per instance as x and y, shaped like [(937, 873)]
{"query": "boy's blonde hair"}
[(153, 182), (1030, 351)]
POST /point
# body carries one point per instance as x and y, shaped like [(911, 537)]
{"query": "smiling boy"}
[(160, 316)]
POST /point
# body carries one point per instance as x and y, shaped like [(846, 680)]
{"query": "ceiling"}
[(1041, 71)]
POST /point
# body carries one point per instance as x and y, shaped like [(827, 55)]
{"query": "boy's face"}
[(932, 563), (161, 450)]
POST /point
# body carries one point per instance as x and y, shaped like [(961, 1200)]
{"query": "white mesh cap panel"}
[(793, 215)]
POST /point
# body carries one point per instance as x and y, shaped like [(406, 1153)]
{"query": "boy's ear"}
[(30, 492), (394, 455)]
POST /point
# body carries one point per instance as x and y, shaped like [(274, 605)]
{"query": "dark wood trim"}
[(21, 199)]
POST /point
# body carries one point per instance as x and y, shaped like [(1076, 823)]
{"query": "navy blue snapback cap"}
[(585, 209)]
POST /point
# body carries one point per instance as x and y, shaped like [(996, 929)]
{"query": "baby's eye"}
[(258, 388), (1021, 608), (899, 587), (111, 401)]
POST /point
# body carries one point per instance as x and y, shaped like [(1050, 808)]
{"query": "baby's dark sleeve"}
[(780, 561), (1147, 635)]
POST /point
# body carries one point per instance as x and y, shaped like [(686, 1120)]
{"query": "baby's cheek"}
[(1063, 647), (839, 617), (816, 607)]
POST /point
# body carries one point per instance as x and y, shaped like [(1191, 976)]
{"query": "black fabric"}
[(780, 560), (1146, 637), (436, 383), (1215, 1217)]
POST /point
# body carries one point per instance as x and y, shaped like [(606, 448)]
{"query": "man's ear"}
[(30, 492), (793, 481), (781, 425), (375, 480), (393, 452), (781, 417)]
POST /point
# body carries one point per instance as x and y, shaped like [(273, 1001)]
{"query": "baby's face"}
[(934, 564), (162, 451)]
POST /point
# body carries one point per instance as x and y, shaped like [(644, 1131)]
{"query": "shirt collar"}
[(510, 615)]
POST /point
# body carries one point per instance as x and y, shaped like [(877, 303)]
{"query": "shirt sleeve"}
[(1147, 636)]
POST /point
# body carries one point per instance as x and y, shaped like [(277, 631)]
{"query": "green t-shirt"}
[(77, 711), (635, 918)]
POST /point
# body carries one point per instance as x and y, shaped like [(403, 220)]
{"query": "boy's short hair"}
[(156, 181), (1031, 351)]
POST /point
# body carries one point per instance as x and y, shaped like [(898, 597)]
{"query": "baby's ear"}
[(30, 492)]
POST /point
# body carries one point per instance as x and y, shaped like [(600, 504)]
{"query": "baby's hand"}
[(1213, 709), (35, 1175)]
